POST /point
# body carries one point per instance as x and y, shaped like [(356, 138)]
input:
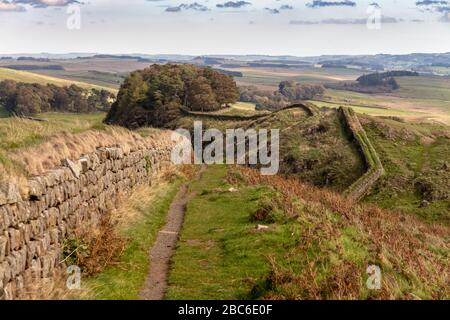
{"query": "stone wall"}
[(34, 227), (374, 166)]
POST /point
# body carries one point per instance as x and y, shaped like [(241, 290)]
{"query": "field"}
[(271, 77), (29, 77), (104, 73), (424, 98)]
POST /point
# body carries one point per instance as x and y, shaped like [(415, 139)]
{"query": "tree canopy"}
[(25, 99), (154, 96), (384, 78), (288, 92)]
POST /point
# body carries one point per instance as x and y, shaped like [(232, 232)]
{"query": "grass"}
[(317, 149), (29, 77), (220, 256), (3, 112), (244, 106), (271, 77), (411, 153), (373, 111), (20, 133), (317, 246), (98, 78), (143, 216)]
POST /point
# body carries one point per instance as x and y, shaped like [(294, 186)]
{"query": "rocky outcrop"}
[(33, 228)]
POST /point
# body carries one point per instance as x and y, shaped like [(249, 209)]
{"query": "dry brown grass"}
[(413, 254), (37, 159), (54, 288)]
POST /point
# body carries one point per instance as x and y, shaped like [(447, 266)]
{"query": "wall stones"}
[(33, 230)]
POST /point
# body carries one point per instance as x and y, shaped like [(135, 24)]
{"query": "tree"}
[(154, 96), (26, 99)]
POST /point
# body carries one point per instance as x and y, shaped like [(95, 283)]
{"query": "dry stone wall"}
[(33, 228), (375, 168)]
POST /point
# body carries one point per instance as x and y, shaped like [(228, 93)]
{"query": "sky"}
[(198, 27)]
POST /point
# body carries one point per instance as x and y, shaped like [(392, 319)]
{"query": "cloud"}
[(286, 7), (272, 10), (191, 6), (6, 6), (430, 2), (343, 21), (320, 3), (46, 3), (443, 9), (277, 11), (233, 4), (441, 6)]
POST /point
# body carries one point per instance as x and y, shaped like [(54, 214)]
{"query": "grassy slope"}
[(324, 158), (317, 246), (29, 77), (124, 279), (19, 133), (103, 79), (410, 152)]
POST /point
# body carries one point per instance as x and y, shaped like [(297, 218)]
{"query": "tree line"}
[(26, 99), (288, 92), (384, 78), (154, 96)]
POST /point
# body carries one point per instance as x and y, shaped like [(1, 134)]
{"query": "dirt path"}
[(165, 245)]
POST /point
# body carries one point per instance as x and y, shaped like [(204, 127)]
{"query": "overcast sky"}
[(284, 27)]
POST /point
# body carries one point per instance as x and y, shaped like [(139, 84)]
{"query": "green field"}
[(271, 77), (101, 79)]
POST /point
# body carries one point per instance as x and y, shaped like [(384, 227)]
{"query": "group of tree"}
[(154, 96), (288, 92), (385, 78), (25, 99)]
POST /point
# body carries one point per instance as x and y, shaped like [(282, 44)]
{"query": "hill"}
[(29, 77)]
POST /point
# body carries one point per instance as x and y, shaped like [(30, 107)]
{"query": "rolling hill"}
[(29, 77)]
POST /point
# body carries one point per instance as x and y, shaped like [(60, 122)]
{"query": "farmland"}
[(423, 98)]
